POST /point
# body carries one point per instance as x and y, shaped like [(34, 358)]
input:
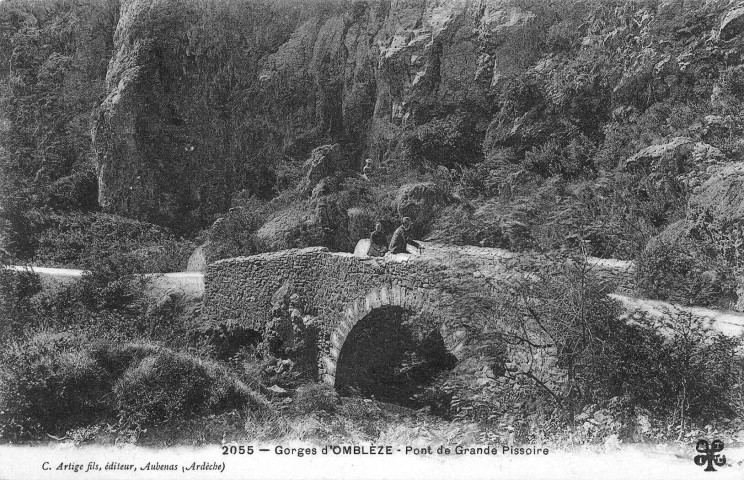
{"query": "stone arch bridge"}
[(443, 290)]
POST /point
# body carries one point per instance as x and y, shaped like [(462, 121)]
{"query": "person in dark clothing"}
[(377, 241), (400, 240)]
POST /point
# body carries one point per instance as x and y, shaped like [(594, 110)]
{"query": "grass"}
[(356, 421), (56, 382)]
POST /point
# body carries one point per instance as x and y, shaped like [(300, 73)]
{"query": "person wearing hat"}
[(400, 240)]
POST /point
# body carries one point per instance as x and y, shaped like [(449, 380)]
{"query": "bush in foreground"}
[(316, 396), (169, 385), (567, 348), (57, 381)]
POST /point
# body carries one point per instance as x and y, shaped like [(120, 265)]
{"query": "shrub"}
[(49, 384), (168, 385), (313, 397), (57, 381), (567, 344), (78, 191), (233, 235), (450, 141), (570, 160), (169, 255), (499, 175), (99, 306), (227, 340), (556, 333), (100, 240), (681, 271), (16, 290), (104, 290), (490, 225), (676, 365), (735, 396)]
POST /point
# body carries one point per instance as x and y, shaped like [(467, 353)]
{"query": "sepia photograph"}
[(371, 239)]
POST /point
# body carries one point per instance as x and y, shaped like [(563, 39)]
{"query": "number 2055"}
[(237, 450)]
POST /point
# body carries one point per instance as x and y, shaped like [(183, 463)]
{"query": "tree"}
[(573, 342), (691, 367), (556, 325)]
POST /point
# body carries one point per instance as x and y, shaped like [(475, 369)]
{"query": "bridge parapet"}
[(442, 289), (241, 289), (339, 289)]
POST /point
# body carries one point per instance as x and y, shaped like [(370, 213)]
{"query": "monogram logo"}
[(710, 454)]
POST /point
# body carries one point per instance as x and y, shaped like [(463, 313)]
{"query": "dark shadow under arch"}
[(389, 355)]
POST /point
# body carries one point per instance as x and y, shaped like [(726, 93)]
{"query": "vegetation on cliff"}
[(174, 116)]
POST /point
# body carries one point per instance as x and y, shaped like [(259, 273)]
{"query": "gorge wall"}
[(205, 98), (535, 119)]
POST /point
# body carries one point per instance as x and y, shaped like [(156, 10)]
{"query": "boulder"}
[(650, 68), (277, 390), (323, 162), (718, 205), (198, 260), (324, 187), (680, 157), (704, 155), (281, 296), (732, 23), (715, 213), (421, 201), (661, 155), (282, 231), (672, 234), (362, 247)]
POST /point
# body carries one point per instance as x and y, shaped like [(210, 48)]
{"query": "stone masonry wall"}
[(440, 289), (339, 289)]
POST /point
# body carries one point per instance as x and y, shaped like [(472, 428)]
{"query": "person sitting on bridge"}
[(377, 241), (400, 241)]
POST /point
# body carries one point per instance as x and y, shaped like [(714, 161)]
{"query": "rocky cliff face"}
[(618, 108), (204, 98)]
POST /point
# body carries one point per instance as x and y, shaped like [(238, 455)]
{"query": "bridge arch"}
[(414, 301)]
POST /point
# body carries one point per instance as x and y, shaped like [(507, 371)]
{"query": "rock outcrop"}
[(715, 220), (674, 233), (732, 23), (420, 201), (283, 230), (323, 162), (662, 155), (202, 101), (717, 208)]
